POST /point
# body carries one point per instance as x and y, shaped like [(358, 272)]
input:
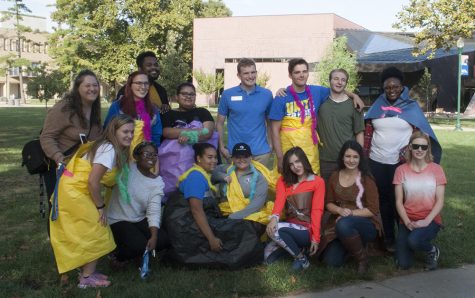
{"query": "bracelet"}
[(101, 207)]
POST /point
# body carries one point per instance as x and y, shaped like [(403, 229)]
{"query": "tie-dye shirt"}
[(419, 189)]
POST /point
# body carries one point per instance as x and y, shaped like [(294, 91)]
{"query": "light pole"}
[(460, 45)]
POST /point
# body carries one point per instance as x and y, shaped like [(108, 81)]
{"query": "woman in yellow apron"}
[(244, 186), (79, 231)]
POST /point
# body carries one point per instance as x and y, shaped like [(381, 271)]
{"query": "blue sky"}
[(372, 14)]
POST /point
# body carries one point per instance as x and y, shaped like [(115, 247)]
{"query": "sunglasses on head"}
[(417, 146)]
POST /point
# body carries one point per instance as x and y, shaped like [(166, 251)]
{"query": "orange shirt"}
[(314, 184)]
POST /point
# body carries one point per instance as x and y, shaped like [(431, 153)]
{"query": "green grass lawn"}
[(27, 267)]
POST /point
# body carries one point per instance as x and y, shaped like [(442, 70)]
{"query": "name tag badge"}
[(236, 98)]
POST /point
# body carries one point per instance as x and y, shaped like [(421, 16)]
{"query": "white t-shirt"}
[(105, 156), (145, 200), (390, 135)]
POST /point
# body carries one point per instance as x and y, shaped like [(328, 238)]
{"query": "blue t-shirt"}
[(285, 107), (194, 186), (246, 115)]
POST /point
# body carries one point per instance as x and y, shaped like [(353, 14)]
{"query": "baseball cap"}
[(241, 149)]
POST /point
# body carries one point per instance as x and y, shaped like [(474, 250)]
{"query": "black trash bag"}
[(241, 244)]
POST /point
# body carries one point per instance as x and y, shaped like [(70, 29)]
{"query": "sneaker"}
[(432, 258), (92, 282), (98, 275), (300, 263)]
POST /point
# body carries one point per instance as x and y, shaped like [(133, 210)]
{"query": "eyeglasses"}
[(149, 155), (187, 94), (417, 146), (145, 84)]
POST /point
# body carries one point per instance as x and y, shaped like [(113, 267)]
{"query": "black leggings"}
[(384, 174), (132, 237), (50, 182)]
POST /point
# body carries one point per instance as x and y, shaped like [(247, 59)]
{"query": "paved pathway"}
[(450, 283)]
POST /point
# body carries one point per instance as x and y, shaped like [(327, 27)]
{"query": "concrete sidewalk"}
[(459, 282)]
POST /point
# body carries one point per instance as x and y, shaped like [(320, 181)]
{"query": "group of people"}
[(339, 180)]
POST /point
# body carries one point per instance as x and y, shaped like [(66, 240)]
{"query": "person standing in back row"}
[(246, 107), (338, 122), (147, 62)]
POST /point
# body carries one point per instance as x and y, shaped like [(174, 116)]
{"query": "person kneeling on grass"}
[(302, 193), (420, 187), (352, 199), (199, 235), (134, 213), (79, 231), (244, 186)]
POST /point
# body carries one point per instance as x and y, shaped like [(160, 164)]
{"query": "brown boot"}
[(354, 245)]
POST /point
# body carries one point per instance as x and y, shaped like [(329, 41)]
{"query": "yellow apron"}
[(196, 167), (236, 200), (293, 133), (76, 236), (138, 137)]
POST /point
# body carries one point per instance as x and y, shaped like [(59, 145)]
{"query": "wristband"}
[(101, 207)]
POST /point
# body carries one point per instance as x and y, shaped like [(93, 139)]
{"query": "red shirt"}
[(314, 184)]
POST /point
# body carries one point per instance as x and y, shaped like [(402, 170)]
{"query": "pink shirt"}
[(419, 189)]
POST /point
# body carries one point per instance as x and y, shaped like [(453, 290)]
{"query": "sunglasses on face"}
[(417, 146)]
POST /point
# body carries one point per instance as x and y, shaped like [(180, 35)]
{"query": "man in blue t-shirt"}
[(246, 107)]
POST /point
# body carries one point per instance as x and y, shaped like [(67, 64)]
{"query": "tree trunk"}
[(22, 91)]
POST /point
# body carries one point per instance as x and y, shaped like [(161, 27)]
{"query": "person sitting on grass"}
[(134, 213), (419, 187), (199, 236), (244, 187), (302, 193), (352, 199), (79, 231)]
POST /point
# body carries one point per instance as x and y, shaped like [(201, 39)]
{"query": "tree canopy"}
[(337, 55), (15, 13), (106, 36), (438, 23)]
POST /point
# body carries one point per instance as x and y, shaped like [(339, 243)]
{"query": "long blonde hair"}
[(419, 135), (108, 136)]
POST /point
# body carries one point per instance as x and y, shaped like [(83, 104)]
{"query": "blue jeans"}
[(295, 239), (416, 240), (334, 254)]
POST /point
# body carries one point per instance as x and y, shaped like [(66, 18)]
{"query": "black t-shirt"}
[(175, 118)]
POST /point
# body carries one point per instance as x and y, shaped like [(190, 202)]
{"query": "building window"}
[(260, 60)]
